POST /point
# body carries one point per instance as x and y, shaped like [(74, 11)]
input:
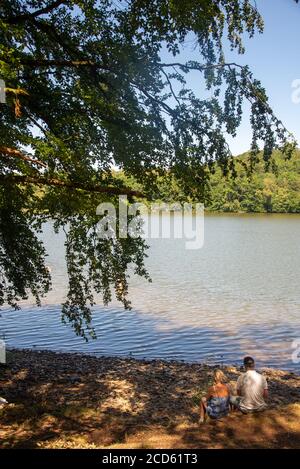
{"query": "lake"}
[(239, 294)]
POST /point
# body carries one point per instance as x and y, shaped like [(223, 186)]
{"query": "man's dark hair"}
[(249, 362)]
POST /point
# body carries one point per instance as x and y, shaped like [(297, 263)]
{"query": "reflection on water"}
[(237, 295)]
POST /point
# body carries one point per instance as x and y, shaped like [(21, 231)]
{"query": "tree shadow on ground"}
[(71, 400)]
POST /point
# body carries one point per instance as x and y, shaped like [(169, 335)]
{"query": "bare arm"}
[(209, 392), (239, 387)]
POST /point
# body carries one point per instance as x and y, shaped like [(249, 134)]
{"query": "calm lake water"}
[(239, 294)]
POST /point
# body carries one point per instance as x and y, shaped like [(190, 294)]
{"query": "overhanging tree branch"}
[(90, 63), (12, 152), (61, 63), (27, 16), (171, 88), (200, 67), (43, 181)]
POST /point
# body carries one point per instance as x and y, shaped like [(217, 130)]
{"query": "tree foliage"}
[(86, 90)]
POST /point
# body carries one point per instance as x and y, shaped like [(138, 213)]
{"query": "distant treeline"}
[(275, 191)]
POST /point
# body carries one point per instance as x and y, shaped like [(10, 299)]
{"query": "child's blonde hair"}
[(219, 377)]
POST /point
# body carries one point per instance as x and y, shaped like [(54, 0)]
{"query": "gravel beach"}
[(67, 400)]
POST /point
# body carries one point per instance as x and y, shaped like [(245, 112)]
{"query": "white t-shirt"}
[(251, 386)]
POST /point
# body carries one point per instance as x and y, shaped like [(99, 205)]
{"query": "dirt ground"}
[(76, 401)]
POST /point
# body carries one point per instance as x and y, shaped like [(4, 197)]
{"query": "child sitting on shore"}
[(216, 402)]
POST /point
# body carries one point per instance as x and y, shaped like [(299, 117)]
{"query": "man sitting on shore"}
[(252, 389)]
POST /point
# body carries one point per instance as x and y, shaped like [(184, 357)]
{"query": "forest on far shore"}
[(276, 190), (273, 191)]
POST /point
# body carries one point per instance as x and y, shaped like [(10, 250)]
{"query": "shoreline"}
[(221, 364), (145, 359), (73, 400)]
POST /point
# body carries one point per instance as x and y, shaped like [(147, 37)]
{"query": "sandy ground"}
[(76, 401)]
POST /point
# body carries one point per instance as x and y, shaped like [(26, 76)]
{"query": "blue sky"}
[(274, 58)]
